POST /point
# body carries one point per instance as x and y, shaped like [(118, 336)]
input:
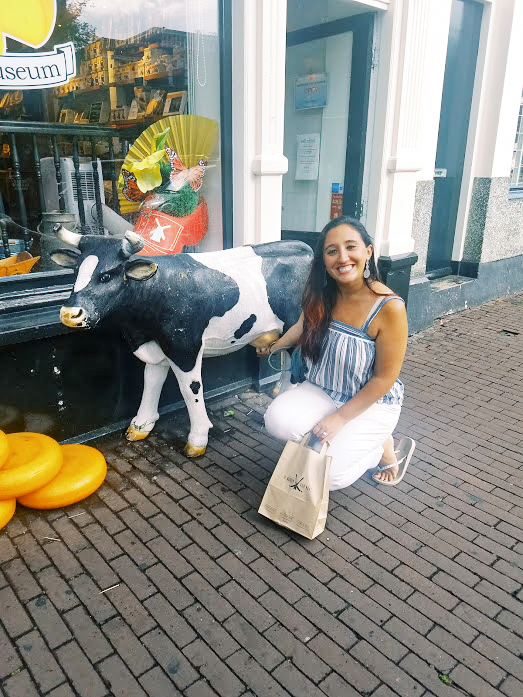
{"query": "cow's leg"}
[(156, 369), (191, 387)]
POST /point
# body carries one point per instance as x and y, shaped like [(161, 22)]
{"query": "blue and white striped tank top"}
[(346, 361)]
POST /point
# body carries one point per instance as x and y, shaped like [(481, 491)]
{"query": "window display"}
[(111, 121)]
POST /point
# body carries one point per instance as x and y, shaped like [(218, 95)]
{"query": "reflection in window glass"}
[(129, 140), (516, 177)]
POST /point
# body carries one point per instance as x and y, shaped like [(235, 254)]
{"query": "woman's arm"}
[(391, 344), (290, 338)]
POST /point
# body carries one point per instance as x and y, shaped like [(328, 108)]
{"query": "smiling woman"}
[(353, 337)]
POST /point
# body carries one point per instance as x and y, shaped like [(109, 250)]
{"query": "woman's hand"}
[(328, 427), (266, 350), (290, 338)]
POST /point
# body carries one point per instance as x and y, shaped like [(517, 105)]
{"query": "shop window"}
[(516, 175), (122, 82)]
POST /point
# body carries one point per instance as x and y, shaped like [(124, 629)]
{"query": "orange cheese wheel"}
[(82, 472), (7, 511), (4, 448), (34, 460)]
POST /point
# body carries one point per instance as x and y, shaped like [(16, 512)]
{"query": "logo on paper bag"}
[(32, 22), (295, 483)]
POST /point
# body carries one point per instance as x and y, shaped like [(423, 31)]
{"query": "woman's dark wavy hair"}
[(319, 295)]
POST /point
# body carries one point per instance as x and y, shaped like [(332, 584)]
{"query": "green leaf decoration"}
[(159, 140)]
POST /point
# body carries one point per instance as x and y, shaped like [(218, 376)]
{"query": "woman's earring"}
[(366, 272)]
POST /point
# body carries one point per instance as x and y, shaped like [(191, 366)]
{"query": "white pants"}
[(354, 449)]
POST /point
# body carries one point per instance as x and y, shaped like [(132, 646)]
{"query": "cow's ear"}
[(140, 270), (65, 257)]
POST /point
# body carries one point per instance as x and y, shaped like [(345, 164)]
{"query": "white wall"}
[(501, 90), (409, 82), (259, 38), (495, 104)]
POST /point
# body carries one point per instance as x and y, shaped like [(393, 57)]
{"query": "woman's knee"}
[(280, 424), (295, 412)]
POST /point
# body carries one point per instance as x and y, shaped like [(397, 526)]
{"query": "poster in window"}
[(307, 156), (310, 91)]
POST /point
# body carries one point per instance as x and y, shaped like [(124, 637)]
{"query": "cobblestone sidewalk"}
[(168, 582)]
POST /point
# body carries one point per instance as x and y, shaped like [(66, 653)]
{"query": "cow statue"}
[(177, 309)]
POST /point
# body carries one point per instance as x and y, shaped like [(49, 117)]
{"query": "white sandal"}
[(405, 450)]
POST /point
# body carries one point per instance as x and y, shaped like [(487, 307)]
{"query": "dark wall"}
[(430, 300), (71, 384)]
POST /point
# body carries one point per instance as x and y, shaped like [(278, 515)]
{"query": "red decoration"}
[(336, 205), (165, 234)]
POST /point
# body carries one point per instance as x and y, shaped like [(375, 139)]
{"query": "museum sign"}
[(31, 22)]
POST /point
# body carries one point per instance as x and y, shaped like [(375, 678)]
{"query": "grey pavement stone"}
[(405, 586)]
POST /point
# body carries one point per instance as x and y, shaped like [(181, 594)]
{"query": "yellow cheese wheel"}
[(7, 511), (4, 448), (34, 460), (82, 472)]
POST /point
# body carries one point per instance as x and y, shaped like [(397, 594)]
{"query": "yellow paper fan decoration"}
[(192, 137)]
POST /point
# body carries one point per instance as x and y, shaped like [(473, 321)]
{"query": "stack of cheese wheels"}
[(7, 507), (40, 473), (82, 472)]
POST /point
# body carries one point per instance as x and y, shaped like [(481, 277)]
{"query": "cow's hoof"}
[(135, 432), (194, 450)]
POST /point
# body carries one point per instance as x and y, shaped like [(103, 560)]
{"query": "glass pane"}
[(85, 95), (316, 118), (516, 176)]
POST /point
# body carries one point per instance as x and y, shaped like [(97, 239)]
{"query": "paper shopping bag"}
[(297, 496)]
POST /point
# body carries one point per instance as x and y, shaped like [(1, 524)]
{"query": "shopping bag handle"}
[(305, 442), (273, 353)]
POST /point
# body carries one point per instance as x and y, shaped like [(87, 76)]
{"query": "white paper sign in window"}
[(308, 156)]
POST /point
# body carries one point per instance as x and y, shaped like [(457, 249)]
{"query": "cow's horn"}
[(72, 238), (135, 242)]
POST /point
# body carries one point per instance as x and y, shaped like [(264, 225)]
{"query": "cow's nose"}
[(72, 316)]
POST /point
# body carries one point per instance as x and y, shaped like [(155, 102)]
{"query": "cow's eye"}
[(105, 277)]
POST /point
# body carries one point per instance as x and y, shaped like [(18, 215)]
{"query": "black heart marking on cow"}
[(245, 327)]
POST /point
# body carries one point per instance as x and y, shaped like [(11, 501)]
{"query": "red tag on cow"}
[(165, 234)]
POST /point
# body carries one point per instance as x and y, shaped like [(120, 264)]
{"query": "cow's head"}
[(105, 274)]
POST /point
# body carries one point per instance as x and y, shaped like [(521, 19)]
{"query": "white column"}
[(500, 89), (410, 82), (495, 106), (259, 37)]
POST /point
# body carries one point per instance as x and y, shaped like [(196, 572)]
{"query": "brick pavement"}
[(167, 582)]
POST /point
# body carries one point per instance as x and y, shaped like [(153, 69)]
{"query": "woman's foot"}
[(392, 473), (388, 458)]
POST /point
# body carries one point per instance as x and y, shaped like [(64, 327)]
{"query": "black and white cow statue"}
[(177, 309)]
